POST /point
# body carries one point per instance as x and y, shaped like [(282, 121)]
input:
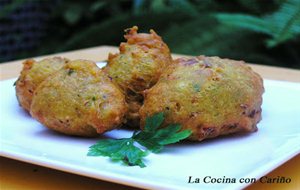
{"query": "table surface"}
[(20, 175)]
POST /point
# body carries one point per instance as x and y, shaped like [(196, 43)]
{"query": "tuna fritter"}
[(137, 67), (79, 100), (32, 74), (208, 95)]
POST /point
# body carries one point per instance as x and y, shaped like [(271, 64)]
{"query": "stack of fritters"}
[(208, 95)]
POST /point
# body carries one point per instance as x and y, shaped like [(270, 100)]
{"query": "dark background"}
[(257, 31)]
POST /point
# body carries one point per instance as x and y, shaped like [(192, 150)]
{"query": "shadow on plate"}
[(23, 113), (207, 142)]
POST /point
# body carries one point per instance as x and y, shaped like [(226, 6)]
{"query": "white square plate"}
[(237, 156)]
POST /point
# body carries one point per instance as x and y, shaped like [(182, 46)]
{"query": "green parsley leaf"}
[(152, 123), (152, 138), (155, 140), (119, 150)]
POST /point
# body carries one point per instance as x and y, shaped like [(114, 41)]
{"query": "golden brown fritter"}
[(137, 67), (208, 95), (79, 100), (32, 74)]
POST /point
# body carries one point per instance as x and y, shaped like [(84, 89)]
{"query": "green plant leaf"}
[(119, 150), (97, 6), (281, 25), (245, 21), (153, 122), (153, 139), (7, 9), (73, 14)]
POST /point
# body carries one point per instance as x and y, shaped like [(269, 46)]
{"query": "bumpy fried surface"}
[(137, 67), (208, 95), (78, 100), (32, 74)]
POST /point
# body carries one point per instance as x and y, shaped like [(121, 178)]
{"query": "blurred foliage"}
[(281, 25), (11, 7), (258, 31)]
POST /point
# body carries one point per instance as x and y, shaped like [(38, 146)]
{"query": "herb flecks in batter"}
[(70, 71), (151, 138), (197, 87)]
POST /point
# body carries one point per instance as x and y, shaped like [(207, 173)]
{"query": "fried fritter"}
[(79, 100), (208, 95), (137, 67), (32, 74)]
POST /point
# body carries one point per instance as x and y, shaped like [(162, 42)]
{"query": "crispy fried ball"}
[(32, 74), (137, 67), (208, 95), (79, 100)]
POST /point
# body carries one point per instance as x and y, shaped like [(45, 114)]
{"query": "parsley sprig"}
[(152, 138)]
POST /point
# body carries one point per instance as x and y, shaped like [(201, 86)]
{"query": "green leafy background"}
[(257, 31)]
